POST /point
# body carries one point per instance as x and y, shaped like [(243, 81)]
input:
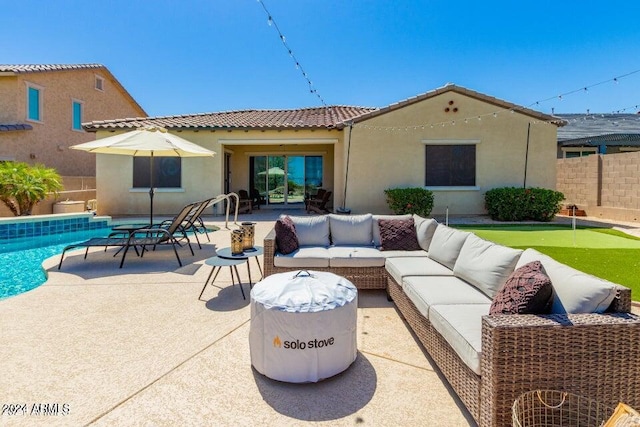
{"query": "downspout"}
[(343, 208), (526, 157)]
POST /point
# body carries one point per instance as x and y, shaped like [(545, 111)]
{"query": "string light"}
[(272, 23), (582, 89)]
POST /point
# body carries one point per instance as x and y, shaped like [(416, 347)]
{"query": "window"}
[(450, 165), (34, 103), (76, 121), (167, 172), (99, 83)]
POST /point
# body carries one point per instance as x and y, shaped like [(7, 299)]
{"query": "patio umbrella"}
[(146, 142)]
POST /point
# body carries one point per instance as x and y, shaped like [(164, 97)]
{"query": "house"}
[(42, 108), (587, 134), (455, 141)]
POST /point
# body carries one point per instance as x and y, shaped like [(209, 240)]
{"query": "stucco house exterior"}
[(43, 106), (452, 140)]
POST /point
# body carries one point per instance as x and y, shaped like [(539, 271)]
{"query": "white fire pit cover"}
[(303, 326)]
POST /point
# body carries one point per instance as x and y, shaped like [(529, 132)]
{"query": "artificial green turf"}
[(605, 253)]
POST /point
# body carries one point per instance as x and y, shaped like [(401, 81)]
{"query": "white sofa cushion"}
[(351, 230), (304, 257), (485, 265), (355, 256), (425, 291), (376, 227), (446, 244), (312, 230), (573, 290), (461, 326), (404, 254), (425, 227), (399, 268)]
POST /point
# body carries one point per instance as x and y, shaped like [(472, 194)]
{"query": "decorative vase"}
[(236, 242), (248, 232)]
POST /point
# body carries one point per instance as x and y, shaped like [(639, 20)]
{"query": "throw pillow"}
[(398, 235), (286, 237), (527, 291)]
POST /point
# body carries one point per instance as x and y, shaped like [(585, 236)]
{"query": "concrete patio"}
[(135, 346)]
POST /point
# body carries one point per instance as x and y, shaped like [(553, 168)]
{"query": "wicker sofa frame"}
[(362, 277), (594, 355)]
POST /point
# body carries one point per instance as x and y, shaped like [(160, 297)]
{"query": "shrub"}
[(410, 200), (519, 204), (22, 186)]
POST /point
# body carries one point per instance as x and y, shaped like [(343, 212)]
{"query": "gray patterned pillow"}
[(527, 291), (398, 235)]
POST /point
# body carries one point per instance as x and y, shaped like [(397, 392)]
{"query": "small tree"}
[(22, 186), (417, 200)]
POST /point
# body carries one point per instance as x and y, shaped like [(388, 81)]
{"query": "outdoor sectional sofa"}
[(590, 345)]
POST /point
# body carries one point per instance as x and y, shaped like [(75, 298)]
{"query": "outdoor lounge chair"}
[(319, 205), (257, 199), (193, 221), (143, 237), (244, 202)]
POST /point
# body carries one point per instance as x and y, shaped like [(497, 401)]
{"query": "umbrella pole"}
[(151, 190)]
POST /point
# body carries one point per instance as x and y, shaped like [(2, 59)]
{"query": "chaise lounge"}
[(584, 340)]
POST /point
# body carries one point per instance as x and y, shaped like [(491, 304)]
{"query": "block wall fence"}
[(605, 186)]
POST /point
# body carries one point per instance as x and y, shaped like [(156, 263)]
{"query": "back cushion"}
[(312, 230), (352, 230), (376, 226), (425, 227), (446, 244), (573, 290), (485, 265)]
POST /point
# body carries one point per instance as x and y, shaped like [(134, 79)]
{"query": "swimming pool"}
[(21, 259)]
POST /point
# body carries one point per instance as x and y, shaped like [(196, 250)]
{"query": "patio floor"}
[(135, 346)]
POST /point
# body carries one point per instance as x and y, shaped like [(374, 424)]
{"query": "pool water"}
[(21, 261)]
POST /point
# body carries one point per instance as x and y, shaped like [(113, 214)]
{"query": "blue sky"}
[(190, 56)]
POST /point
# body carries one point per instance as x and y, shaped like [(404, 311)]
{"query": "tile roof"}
[(449, 87), (611, 139), (38, 68), (8, 127), (588, 125), (314, 117)]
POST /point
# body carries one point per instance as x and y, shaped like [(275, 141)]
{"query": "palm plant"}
[(22, 185)]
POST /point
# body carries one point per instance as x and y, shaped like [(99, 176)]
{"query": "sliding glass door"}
[(284, 180)]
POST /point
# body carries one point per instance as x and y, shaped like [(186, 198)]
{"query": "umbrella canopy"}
[(273, 171), (146, 142)]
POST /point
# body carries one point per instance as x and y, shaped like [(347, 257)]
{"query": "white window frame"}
[(453, 142), (40, 102), (99, 79), (77, 101), (591, 150)]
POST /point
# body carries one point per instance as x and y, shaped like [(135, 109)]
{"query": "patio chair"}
[(193, 221), (257, 199), (319, 205), (143, 237), (318, 196), (244, 204)]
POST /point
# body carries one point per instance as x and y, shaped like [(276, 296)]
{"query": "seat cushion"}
[(446, 244), (286, 237), (303, 257), (485, 265), (528, 290), (399, 268), (351, 230), (404, 254), (573, 290), (398, 235), (376, 226), (425, 227), (425, 291), (461, 326), (355, 256), (312, 230)]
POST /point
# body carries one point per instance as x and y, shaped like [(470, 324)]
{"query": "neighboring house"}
[(587, 134), (42, 108), (455, 141)]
